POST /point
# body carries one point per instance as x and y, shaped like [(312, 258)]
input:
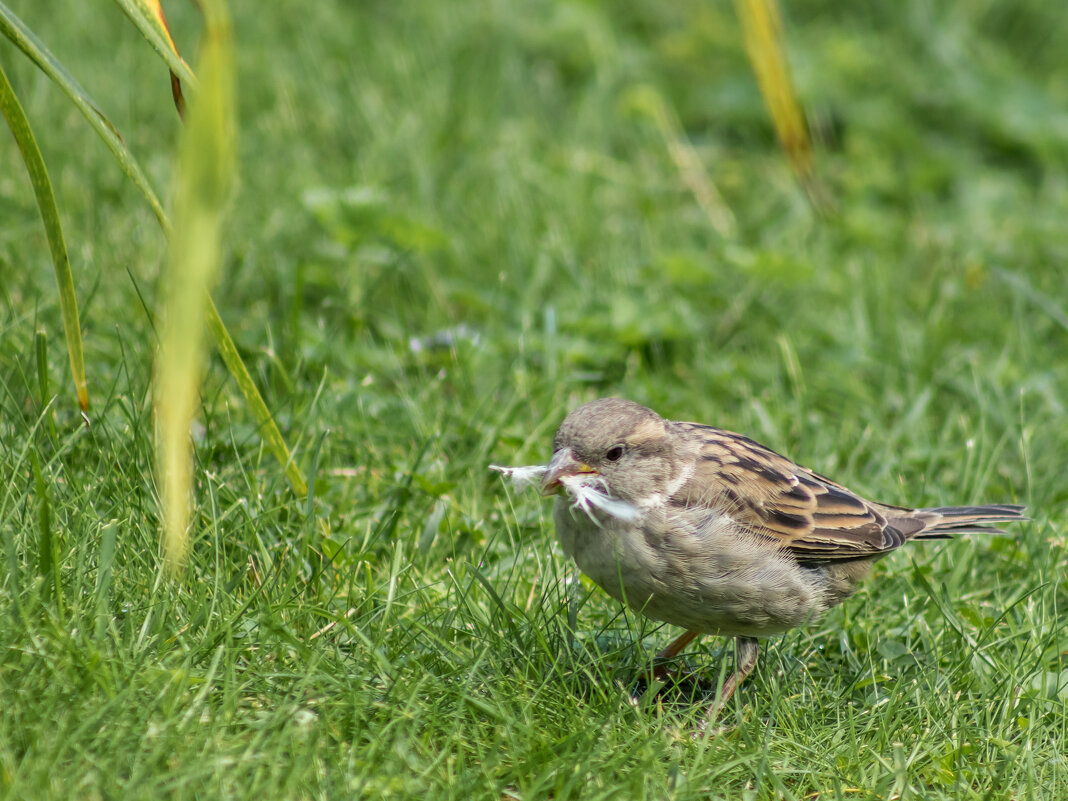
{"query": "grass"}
[(454, 224)]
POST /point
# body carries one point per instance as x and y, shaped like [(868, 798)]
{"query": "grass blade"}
[(40, 341), (204, 182), (648, 101), (47, 547), (46, 204), (14, 573), (265, 421), (103, 576)]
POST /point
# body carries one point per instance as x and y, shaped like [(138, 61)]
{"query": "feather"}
[(521, 477), (586, 494), (808, 515), (587, 497)]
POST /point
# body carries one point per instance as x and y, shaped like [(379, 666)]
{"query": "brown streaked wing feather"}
[(812, 517)]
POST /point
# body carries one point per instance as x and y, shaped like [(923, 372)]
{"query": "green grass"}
[(408, 167)]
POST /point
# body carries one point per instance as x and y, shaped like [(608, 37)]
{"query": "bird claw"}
[(705, 731)]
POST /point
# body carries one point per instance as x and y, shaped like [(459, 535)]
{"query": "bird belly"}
[(712, 576)]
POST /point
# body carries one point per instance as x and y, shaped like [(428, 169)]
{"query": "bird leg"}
[(745, 659), (661, 670)]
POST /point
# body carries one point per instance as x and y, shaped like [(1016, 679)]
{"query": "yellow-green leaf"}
[(205, 177), (762, 28)]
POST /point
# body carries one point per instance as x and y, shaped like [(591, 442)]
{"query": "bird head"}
[(621, 446)]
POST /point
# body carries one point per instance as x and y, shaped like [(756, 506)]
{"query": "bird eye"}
[(614, 453)]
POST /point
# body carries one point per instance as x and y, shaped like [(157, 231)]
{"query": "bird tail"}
[(943, 522)]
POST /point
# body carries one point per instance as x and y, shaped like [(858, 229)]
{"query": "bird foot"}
[(665, 670)]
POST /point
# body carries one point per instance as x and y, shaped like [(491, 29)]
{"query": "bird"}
[(709, 530)]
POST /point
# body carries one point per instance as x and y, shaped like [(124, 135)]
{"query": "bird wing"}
[(802, 512)]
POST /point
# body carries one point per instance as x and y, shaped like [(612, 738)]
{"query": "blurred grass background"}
[(454, 223)]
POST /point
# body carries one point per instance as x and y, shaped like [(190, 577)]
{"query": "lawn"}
[(454, 223)]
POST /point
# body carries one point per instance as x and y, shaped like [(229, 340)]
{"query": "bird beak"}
[(562, 464)]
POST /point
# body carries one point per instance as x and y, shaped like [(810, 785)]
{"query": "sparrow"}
[(709, 530)]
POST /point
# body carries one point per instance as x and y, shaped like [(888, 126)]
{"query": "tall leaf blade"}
[(205, 179), (147, 16), (764, 44), (267, 426), (46, 204)]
